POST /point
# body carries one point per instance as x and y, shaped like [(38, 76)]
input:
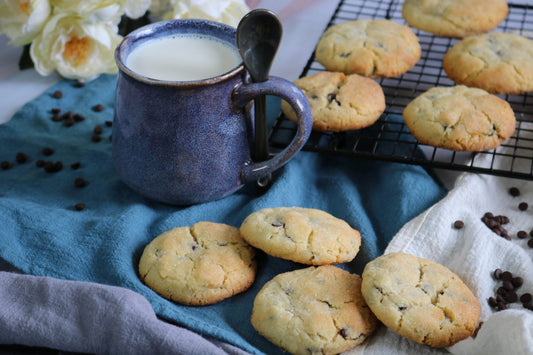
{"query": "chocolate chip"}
[(40, 163), (530, 243), (497, 274), (80, 182), (507, 276), (69, 122), (67, 115), (458, 224), (56, 118), (523, 206), (514, 191), (96, 138), (511, 297), (508, 285), (78, 117), (331, 97), (492, 302), (526, 297), (51, 167), (108, 123), (517, 281), (79, 206), (343, 332), (57, 94), (79, 84), (98, 130), (278, 224), (55, 110), (98, 108), (5, 165), (75, 166), (21, 157), (521, 234), (528, 305), (501, 306), (47, 151)]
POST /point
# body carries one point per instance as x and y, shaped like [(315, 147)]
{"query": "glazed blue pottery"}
[(189, 142)]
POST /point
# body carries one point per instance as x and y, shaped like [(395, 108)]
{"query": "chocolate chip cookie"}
[(460, 118), (316, 310), (420, 299), (304, 235), (340, 102), (372, 48), (198, 265)]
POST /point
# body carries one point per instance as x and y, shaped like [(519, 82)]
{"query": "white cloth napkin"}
[(473, 253)]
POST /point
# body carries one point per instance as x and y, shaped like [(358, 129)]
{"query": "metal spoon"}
[(258, 37)]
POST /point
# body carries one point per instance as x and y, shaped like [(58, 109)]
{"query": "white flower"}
[(21, 20), (229, 12), (75, 47), (158, 8), (93, 11), (135, 8)]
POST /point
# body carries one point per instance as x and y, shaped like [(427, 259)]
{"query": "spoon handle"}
[(261, 139)]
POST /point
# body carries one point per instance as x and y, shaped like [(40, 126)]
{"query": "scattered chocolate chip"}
[(40, 163), (278, 224), (331, 97), (497, 274), (79, 206), (79, 84), (511, 297), (98, 108), (108, 123), (5, 165), (21, 157), (56, 117), (51, 167), (55, 110), (57, 94), (98, 130), (75, 166), (514, 191), (528, 305), (523, 206), (343, 333), (492, 302), (517, 281), (530, 243), (96, 138), (507, 276), (495, 223), (47, 151), (521, 234), (67, 115), (80, 182), (526, 298), (458, 224), (78, 117), (508, 285), (69, 122)]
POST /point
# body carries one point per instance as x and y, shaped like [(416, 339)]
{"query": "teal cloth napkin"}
[(44, 234)]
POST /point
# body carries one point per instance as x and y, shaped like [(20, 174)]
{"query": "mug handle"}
[(244, 93)]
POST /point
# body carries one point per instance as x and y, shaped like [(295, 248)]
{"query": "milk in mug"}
[(183, 57)]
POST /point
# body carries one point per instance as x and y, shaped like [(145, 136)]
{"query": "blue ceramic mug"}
[(188, 142)]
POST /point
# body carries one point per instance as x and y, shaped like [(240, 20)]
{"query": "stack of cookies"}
[(320, 308), (465, 118)]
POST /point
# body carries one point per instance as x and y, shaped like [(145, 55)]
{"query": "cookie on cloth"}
[(340, 102), (303, 235), (497, 62), (459, 118), (455, 18), (419, 299), (315, 310), (198, 265), (372, 48)]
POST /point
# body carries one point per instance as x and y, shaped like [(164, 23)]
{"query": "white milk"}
[(183, 58)]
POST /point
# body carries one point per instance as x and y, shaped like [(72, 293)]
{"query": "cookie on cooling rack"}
[(460, 118), (340, 102), (420, 299), (372, 48), (198, 265), (455, 18), (304, 235), (498, 62), (316, 310)]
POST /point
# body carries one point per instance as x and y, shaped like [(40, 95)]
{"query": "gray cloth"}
[(91, 318)]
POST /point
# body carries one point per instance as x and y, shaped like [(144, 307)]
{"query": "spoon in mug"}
[(258, 37)]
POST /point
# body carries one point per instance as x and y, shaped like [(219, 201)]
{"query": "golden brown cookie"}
[(420, 299), (340, 102), (455, 18), (316, 310), (304, 235), (198, 265), (497, 62), (459, 118), (372, 48)]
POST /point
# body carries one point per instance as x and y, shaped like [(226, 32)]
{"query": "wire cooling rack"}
[(389, 139)]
